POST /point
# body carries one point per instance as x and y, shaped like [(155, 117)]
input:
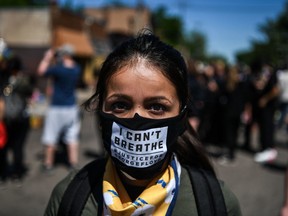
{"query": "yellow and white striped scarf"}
[(157, 199)]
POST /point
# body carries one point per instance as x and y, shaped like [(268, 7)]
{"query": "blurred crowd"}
[(224, 98)]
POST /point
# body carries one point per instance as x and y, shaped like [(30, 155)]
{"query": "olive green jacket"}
[(185, 204)]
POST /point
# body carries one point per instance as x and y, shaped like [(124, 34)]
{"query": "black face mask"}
[(140, 146)]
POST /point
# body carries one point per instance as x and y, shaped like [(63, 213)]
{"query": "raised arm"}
[(45, 62)]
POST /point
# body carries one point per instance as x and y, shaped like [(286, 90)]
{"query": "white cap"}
[(66, 49)]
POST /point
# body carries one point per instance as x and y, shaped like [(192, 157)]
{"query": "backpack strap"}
[(87, 180), (207, 191), (204, 183)]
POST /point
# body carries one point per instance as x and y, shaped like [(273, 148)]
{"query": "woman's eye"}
[(119, 107), (158, 108)]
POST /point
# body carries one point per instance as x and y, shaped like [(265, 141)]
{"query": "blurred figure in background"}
[(282, 76), (16, 90), (234, 100), (3, 150), (196, 83), (62, 118), (221, 70), (207, 124), (3, 137), (264, 106)]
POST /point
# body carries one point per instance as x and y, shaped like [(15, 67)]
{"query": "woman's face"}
[(143, 90)]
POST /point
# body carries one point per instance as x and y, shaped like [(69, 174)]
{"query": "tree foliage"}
[(274, 48), (168, 28), (195, 43), (76, 8), (22, 3)]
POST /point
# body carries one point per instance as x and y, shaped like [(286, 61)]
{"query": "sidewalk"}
[(259, 188)]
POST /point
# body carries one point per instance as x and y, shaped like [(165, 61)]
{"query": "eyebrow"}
[(118, 96), (150, 99), (158, 98)]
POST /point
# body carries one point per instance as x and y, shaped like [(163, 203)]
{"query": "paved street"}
[(259, 188)]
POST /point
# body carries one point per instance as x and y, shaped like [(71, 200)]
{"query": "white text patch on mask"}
[(141, 148)]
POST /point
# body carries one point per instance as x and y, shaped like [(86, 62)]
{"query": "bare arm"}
[(45, 62)]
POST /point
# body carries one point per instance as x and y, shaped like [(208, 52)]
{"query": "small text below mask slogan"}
[(141, 148)]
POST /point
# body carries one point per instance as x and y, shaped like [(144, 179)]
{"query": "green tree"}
[(76, 8), (196, 44), (274, 48), (22, 3), (169, 28)]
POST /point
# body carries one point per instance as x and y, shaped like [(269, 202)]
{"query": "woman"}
[(141, 100)]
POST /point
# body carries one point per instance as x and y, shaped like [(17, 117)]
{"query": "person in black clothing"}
[(221, 70), (196, 84), (235, 93), (14, 87), (3, 163), (208, 122), (264, 104)]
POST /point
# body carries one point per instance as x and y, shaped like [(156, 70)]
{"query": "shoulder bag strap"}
[(207, 191), (79, 189)]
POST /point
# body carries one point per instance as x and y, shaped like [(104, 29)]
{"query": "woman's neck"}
[(134, 187), (127, 179)]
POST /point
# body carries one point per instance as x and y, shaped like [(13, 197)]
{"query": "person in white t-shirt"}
[(283, 97)]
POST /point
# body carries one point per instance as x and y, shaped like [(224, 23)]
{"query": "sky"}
[(229, 25)]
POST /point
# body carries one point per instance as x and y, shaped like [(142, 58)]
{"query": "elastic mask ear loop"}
[(184, 109)]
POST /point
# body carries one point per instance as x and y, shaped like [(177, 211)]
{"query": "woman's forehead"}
[(138, 79)]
